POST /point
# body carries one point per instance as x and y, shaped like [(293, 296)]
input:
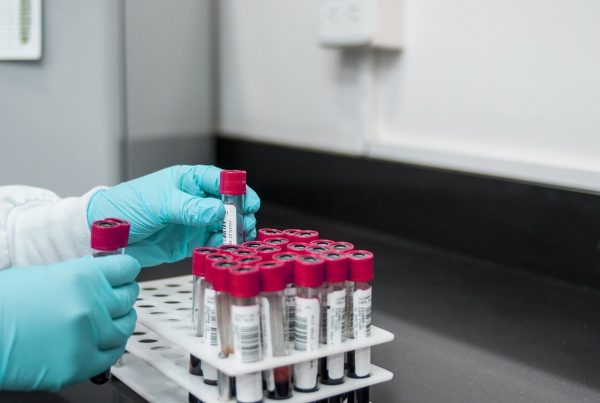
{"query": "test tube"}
[(223, 305), (321, 242), (233, 191), (315, 250), (274, 328), (289, 233), (297, 247), (248, 260), (277, 241), (360, 274), (108, 237), (265, 233), (244, 286), (306, 235), (253, 244), (225, 248), (242, 253), (341, 247), (333, 331), (267, 252), (287, 258), (211, 335), (308, 276)]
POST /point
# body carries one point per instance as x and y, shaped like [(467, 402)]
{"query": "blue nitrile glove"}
[(63, 323), (171, 212)]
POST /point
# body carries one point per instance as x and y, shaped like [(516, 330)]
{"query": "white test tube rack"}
[(162, 342)]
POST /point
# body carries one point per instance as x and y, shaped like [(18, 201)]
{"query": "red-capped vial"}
[(198, 289), (307, 236), (308, 276), (233, 190), (265, 233), (253, 244), (289, 233), (244, 286), (333, 314), (341, 247), (288, 258), (108, 237), (321, 242), (227, 248), (211, 337), (278, 381), (297, 247), (277, 241), (248, 260), (360, 275), (242, 253), (267, 252), (315, 250)]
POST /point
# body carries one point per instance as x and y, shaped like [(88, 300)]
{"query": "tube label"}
[(361, 304), (336, 311), (246, 332), (198, 307), (290, 308), (248, 388), (307, 324), (230, 225), (210, 317)]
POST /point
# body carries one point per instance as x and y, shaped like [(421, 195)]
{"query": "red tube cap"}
[(360, 263), (336, 267), (267, 251), (242, 253), (220, 275), (124, 232), (244, 282), (321, 242), (297, 247), (341, 246), (309, 271), (230, 248), (315, 250), (248, 260), (277, 241), (289, 233), (211, 260), (109, 235), (272, 275), (287, 258), (305, 236), (265, 233), (233, 183), (253, 244), (199, 259)]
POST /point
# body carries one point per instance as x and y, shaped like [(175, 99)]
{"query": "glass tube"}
[(233, 191)]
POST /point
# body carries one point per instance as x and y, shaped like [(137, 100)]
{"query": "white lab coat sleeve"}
[(38, 227)]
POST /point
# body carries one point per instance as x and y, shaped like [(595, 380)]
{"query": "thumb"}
[(118, 269), (190, 210)]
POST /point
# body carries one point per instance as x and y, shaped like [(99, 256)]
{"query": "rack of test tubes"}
[(286, 317)]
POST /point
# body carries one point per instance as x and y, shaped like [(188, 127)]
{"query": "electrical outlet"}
[(375, 23)]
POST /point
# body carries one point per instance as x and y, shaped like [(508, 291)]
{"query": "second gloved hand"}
[(63, 323), (171, 212)]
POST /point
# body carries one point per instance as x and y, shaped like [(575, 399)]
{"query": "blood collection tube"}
[(321, 242), (308, 276), (341, 247), (242, 253), (248, 260), (223, 304), (230, 248), (289, 233), (211, 335), (253, 244), (360, 275), (108, 237), (315, 250), (288, 258), (307, 236), (274, 328), (265, 233), (297, 247), (244, 286), (333, 330), (267, 252), (277, 241), (233, 191)]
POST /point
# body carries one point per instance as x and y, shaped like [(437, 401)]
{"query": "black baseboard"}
[(537, 228)]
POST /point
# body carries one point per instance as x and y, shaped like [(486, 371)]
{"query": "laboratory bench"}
[(467, 330)]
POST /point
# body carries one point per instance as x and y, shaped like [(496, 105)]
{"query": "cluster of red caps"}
[(280, 257)]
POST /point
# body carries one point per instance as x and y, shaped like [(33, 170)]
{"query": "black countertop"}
[(466, 330)]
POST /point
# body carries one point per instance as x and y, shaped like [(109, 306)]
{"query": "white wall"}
[(508, 88)]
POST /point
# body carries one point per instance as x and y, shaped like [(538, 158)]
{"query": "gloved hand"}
[(64, 323), (171, 212)]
